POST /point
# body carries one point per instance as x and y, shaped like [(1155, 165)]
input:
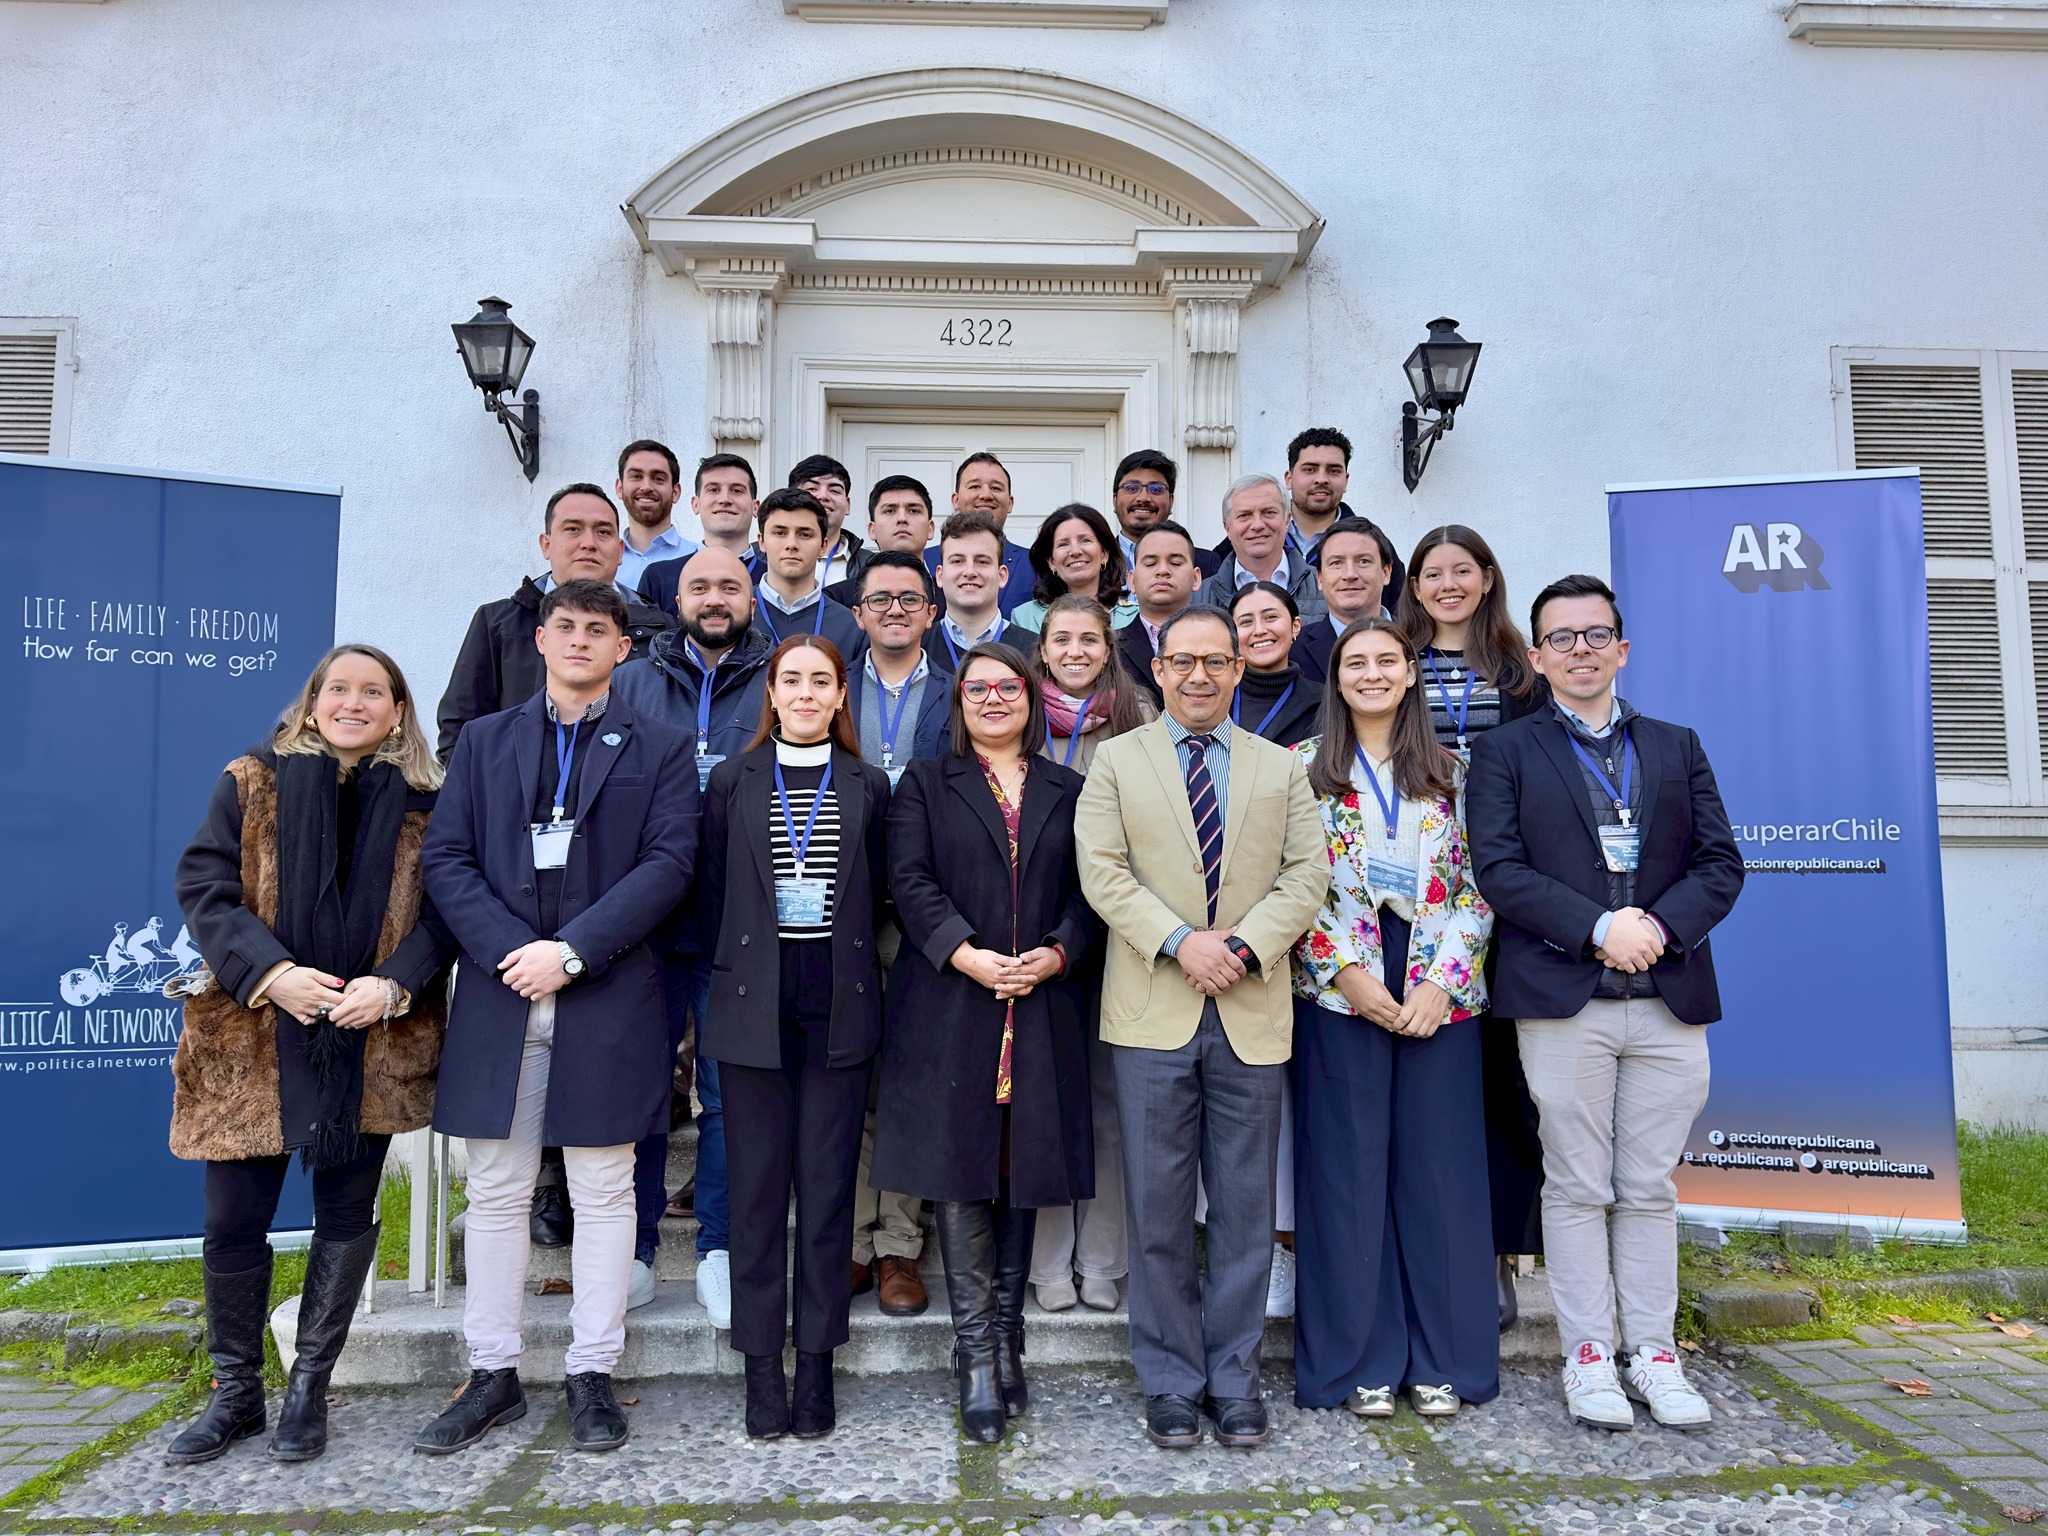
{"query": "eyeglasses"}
[(1142, 488), (879, 602), (1216, 664), (1599, 637), (1009, 690)]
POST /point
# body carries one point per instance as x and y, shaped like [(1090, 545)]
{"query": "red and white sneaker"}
[(1655, 1379), (1592, 1392)]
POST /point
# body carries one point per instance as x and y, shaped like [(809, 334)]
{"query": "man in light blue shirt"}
[(650, 483)]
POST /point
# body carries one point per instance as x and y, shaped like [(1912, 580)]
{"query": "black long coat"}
[(736, 902), (630, 861), (938, 1128)]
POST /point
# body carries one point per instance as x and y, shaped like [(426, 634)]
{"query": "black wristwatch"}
[(1244, 952)]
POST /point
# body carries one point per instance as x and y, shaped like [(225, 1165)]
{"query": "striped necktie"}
[(1208, 817)]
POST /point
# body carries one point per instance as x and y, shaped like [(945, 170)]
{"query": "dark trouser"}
[(801, 1130), (1198, 1106), (1393, 1236), (1514, 1149), (650, 1153), (241, 1200)]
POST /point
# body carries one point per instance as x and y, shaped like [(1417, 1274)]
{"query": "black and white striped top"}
[(1445, 686), (803, 768)]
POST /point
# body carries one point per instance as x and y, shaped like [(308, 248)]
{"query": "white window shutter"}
[(2030, 425), (28, 392), (1932, 417), (1969, 686)]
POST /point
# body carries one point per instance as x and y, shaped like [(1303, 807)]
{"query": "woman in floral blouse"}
[(1395, 1286)]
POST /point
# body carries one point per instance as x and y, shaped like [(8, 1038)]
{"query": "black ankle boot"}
[(767, 1398), (237, 1307), (813, 1415), (334, 1281), (1014, 1230), (967, 1244)]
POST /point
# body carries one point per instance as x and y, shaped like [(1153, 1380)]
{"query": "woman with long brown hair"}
[(1088, 695), (1475, 661), (316, 1027), (1391, 1234), (1075, 553), (791, 876)]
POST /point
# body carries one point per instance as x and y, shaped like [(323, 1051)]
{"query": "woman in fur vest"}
[(319, 1028)]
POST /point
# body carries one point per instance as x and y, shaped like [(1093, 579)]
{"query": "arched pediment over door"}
[(1131, 236)]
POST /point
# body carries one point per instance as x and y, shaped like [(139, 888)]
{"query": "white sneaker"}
[(1655, 1379), (1280, 1288), (1592, 1392), (714, 1286), (640, 1289)]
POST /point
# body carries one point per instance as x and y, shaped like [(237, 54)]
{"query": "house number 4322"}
[(970, 331)]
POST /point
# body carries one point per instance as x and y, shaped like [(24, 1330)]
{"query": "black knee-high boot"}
[(1014, 1230), (334, 1282), (967, 1243), (237, 1307)]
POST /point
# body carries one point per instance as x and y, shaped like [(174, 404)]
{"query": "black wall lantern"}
[(496, 352), (1440, 373)]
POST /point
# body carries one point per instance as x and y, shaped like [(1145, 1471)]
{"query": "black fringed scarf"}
[(330, 914)]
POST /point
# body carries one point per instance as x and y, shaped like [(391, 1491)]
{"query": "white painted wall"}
[(1657, 218)]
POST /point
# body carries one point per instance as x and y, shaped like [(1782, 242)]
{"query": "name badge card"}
[(895, 772), (551, 843), (706, 761), (1621, 847), (800, 903), (1390, 878)]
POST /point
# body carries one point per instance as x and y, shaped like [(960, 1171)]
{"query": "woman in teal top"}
[(1076, 552)]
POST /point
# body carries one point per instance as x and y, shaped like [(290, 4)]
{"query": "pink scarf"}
[(1061, 718)]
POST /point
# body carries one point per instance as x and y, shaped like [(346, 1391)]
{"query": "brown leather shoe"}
[(863, 1279), (899, 1287)]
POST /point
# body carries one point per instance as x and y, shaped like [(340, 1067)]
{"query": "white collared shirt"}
[(775, 599)]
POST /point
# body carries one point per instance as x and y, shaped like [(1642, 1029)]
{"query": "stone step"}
[(407, 1341)]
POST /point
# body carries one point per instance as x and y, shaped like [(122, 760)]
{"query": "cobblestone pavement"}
[(1807, 1438)]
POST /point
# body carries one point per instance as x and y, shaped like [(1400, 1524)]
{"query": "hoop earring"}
[(398, 732), (312, 724)]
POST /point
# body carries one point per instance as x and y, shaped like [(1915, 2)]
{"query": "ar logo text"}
[(1781, 556)]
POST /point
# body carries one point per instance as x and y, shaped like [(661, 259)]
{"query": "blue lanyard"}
[(1463, 712), (953, 650), (892, 728), (810, 824), (565, 754), (1628, 768), (817, 626), (1080, 725), (1389, 808), (1237, 704), (710, 677)]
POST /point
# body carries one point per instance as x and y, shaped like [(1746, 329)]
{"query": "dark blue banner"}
[(1786, 622), (163, 623)]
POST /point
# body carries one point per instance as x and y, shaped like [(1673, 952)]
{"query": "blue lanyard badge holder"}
[(800, 902), (706, 758), (1621, 846), (551, 838), (892, 728), (1385, 875), (1463, 712)]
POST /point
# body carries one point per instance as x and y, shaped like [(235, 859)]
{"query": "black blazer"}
[(938, 1127), (630, 861), (1536, 859), (736, 899), (1134, 645)]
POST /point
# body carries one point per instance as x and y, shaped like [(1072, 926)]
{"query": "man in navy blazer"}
[(1600, 842), (566, 832)]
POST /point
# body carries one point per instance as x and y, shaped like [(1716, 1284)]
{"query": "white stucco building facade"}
[(240, 232)]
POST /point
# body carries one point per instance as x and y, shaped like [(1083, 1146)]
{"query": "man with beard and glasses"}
[(1141, 494), (649, 485), (708, 678)]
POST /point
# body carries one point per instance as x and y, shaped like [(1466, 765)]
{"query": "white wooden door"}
[(1053, 457)]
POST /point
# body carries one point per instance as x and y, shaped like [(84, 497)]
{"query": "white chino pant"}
[(1617, 1089), (498, 1240)]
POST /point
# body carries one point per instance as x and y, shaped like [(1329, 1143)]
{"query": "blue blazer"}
[(630, 861), (930, 737)]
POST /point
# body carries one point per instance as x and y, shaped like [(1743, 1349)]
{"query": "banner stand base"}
[(38, 1261), (1920, 1229)]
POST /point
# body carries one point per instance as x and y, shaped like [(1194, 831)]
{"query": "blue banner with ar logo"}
[(161, 623), (1786, 622)]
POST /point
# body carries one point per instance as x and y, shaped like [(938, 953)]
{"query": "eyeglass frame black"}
[(881, 602), (1573, 636)]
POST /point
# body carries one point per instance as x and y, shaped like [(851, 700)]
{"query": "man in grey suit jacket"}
[(1203, 850)]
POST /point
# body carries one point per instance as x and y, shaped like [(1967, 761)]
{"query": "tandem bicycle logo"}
[(110, 1012), (1780, 1152)]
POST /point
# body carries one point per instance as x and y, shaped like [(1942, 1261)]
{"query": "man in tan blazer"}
[(1202, 849)]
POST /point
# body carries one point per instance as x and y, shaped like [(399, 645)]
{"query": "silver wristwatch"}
[(572, 963)]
